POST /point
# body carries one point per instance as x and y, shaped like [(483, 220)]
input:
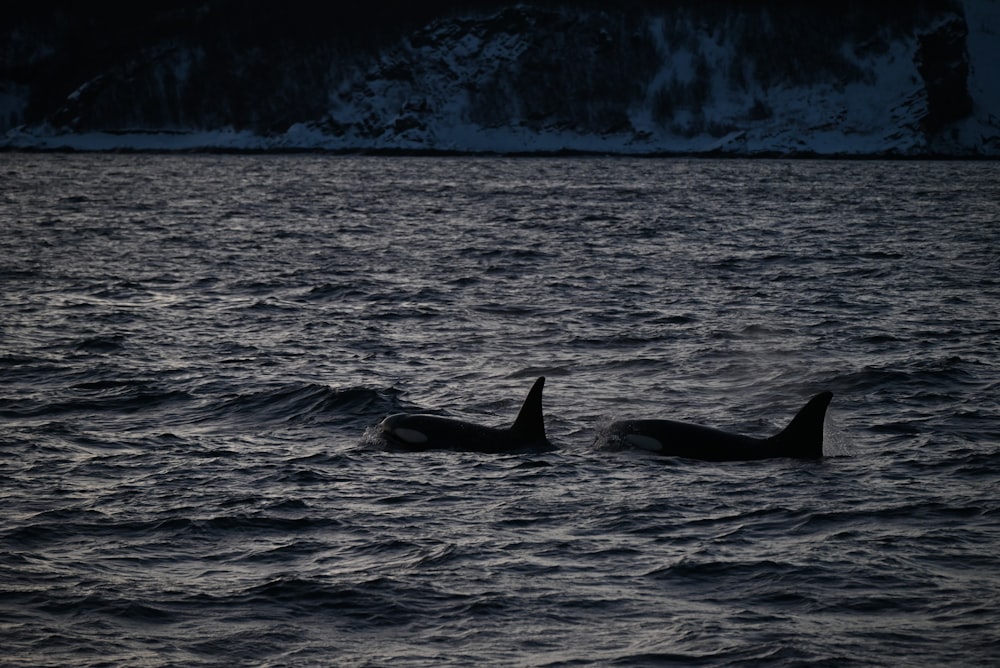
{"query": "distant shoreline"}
[(540, 154)]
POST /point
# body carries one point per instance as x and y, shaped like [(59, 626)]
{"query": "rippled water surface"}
[(193, 350)]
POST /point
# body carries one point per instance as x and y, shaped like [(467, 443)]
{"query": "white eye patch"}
[(644, 442), (410, 435)]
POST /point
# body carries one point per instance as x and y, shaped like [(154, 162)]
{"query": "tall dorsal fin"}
[(803, 437), (529, 424)]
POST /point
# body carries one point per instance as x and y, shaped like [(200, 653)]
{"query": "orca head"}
[(400, 428)]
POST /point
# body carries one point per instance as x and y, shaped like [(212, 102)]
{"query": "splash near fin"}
[(529, 424), (803, 437)]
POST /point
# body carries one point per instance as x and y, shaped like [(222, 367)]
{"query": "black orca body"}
[(801, 439), (432, 432)]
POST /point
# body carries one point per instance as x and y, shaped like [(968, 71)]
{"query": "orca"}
[(418, 432), (801, 439)]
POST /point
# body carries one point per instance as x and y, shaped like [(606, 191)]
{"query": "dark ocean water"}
[(193, 350)]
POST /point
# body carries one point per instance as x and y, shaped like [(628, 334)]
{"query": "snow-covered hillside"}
[(721, 79)]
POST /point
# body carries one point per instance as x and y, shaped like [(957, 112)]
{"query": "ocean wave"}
[(106, 396), (941, 376), (303, 404)]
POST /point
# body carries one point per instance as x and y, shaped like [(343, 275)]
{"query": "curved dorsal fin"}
[(803, 437), (529, 424)]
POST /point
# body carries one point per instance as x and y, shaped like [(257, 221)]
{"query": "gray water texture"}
[(194, 350)]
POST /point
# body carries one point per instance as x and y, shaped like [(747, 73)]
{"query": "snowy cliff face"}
[(738, 82), (742, 79)]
